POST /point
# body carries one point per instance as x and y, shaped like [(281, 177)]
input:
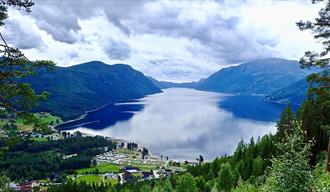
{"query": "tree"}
[(145, 188), (290, 171), (200, 159), (15, 95), (201, 184), (166, 186), (257, 166), (244, 186), (226, 178), (316, 110), (186, 183), (285, 125), (4, 184), (239, 152)]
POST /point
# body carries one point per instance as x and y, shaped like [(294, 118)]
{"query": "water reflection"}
[(104, 117), (180, 123), (253, 107)]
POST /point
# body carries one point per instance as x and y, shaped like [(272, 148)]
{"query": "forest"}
[(28, 159)]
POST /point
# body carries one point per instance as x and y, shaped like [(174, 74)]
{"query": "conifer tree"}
[(226, 178), (285, 124), (316, 110), (186, 183)]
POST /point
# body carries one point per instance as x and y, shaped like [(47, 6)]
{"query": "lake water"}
[(183, 123)]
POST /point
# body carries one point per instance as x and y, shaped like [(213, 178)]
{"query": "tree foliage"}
[(15, 95), (285, 125), (291, 171), (226, 178), (316, 110)]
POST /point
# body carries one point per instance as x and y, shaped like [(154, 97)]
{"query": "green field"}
[(97, 179), (21, 126), (49, 118), (103, 168), (106, 168), (39, 139)]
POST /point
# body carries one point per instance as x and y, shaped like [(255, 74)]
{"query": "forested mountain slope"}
[(89, 85)]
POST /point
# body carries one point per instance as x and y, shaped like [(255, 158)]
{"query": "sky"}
[(176, 41)]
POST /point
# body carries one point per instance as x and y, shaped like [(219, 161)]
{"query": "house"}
[(126, 176), (130, 169), (110, 176), (147, 175), (14, 186), (35, 184), (25, 187)]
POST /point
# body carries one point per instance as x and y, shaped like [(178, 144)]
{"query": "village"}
[(127, 162)]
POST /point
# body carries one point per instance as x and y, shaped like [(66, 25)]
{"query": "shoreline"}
[(95, 109), (81, 116)]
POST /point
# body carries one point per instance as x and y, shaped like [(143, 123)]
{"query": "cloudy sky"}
[(169, 40)]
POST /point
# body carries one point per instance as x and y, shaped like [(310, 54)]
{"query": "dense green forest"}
[(29, 159)]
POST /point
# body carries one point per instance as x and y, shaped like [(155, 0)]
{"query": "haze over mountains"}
[(280, 80), (90, 85)]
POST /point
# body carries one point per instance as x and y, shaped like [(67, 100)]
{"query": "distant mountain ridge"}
[(167, 84), (90, 85), (279, 80), (256, 77)]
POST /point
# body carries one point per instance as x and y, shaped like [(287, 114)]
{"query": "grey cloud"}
[(21, 37), (60, 18), (115, 20), (218, 37), (117, 49), (58, 21)]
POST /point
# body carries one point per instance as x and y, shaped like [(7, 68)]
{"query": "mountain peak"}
[(262, 76)]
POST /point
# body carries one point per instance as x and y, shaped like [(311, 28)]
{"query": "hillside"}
[(89, 85), (293, 94), (257, 77)]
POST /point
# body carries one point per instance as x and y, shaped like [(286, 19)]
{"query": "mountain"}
[(88, 86), (294, 94), (167, 84), (257, 77)]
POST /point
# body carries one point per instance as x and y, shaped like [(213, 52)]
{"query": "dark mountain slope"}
[(89, 85), (293, 94)]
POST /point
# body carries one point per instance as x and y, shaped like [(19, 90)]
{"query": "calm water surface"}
[(183, 123)]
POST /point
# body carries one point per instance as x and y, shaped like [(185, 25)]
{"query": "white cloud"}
[(169, 40)]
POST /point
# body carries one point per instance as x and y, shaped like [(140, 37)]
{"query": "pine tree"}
[(186, 183), (166, 186), (226, 178), (316, 110), (257, 166), (285, 124)]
